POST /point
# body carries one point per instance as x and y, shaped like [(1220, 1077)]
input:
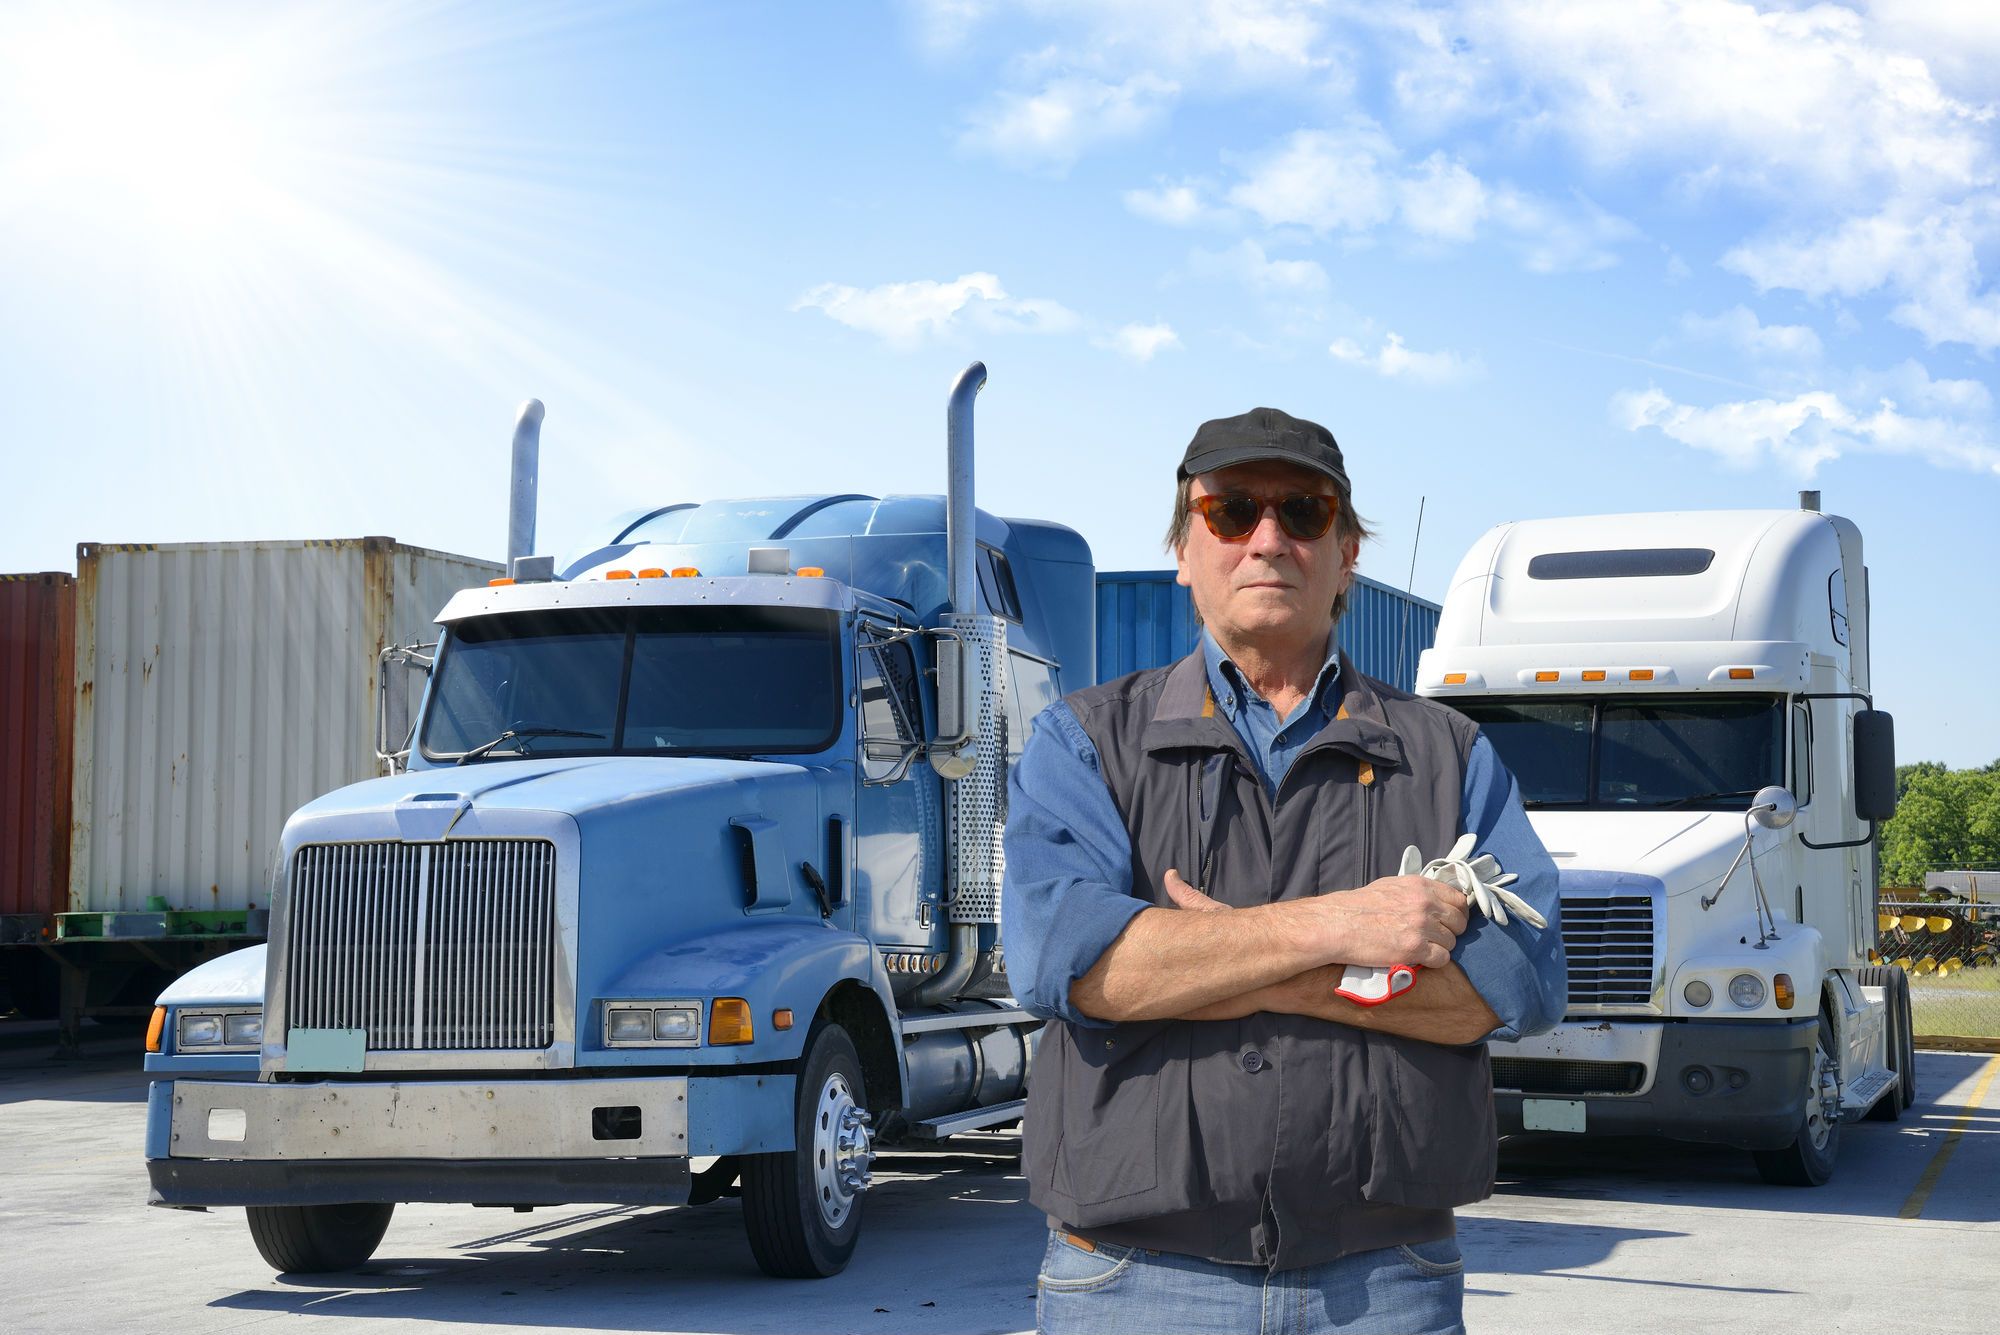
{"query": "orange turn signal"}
[(781, 1019), (1593, 674), (1641, 674), (617, 574), (1781, 988), (811, 572), (156, 1027), (1548, 676), (1742, 674), (652, 572), (686, 572), (1454, 679), (729, 1021), (500, 583)]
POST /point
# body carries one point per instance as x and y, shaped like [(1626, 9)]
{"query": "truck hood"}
[(1686, 851), (425, 803)]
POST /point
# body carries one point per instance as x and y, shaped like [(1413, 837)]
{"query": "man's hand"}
[(1396, 920)]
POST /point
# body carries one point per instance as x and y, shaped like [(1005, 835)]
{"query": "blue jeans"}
[(1414, 1290)]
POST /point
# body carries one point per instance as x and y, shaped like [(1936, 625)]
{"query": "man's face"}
[(1268, 588)]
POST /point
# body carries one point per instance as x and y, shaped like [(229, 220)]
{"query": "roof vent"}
[(770, 560), (533, 569)]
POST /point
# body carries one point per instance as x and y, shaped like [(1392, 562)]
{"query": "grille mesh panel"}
[(1541, 1075), (426, 947), (1609, 941)]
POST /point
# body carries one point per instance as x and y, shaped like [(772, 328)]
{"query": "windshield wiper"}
[(513, 733), (1703, 797)]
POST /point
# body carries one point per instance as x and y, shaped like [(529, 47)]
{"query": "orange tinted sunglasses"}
[(1233, 516)]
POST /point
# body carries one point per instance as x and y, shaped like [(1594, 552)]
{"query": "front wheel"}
[(1808, 1160), (315, 1239), (802, 1208)]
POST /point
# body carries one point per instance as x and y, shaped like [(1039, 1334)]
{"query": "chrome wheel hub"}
[(842, 1150), (1822, 1097)]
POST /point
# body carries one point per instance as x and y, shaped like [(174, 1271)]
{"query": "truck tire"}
[(1808, 1161), (314, 1239), (802, 1208), (1902, 1043)]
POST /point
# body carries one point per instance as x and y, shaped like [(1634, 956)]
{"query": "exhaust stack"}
[(526, 477), (976, 795)]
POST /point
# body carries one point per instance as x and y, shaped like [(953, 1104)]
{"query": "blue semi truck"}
[(688, 885)]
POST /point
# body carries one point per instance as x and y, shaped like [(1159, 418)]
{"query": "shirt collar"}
[(1225, 681)]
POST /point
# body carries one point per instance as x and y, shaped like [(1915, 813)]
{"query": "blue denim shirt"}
[(1274, 743), (1069, 889)]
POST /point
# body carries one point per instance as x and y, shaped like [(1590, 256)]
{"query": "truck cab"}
[(687, 885), (1685, 702)]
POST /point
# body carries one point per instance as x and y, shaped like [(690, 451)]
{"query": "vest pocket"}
[(1436, 1138), (1117, 1155)]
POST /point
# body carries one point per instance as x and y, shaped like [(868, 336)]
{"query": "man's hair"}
[(1347, 526)]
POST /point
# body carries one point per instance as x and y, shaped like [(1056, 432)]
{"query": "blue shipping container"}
[(1146, 620)]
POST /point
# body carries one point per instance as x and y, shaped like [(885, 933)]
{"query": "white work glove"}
[(1484, 886)]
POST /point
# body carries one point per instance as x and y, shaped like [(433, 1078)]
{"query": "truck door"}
[(898, 863)]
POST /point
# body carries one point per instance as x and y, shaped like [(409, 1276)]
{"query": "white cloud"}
[(1740, 328), (1140, 341), (1582, 238), (1177, 204), (1049, 129), (1247, 263), (1327, 180), (1397, 361), (1227, 43), (908, 313), (1440, 198), (1801, 433)]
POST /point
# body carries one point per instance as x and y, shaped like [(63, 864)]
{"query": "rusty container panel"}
[(37, 646), (220, 687)]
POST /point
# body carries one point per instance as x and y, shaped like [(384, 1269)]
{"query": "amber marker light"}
[(1548, 676), (1593, 674), (156, 1027), (811, 572), (1742, 674), (781, 1019), (1454, 679), (1781, 987), (686, 572), (652, 572), (500, 583), (617, 574), (1640, 674), (729, 1021)]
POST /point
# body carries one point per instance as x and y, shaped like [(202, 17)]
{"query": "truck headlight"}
[(1698, 994), (1747, 990), (216, 1030), (633, 1024)]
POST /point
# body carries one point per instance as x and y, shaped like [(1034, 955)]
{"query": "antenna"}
[(1409, 588)]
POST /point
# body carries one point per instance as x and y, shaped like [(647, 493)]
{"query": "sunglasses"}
[(1232, 517)]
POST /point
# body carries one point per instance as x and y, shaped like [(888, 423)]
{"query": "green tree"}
[(1944, 819)]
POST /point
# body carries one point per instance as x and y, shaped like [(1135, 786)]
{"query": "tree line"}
[(1946, 819)]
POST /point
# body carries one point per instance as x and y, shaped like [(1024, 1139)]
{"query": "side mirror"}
[(395, 710), (1874, 765), (1774, 807), (951, 751)]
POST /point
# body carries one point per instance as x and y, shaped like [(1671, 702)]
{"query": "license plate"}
[(1551, 1115)]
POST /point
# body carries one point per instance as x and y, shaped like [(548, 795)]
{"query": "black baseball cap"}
[(1263, 433)]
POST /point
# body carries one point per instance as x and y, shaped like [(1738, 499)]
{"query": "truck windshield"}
[(646, 680), (1665, 751)]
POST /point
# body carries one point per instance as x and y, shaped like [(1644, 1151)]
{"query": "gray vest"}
[(1278, 1140)]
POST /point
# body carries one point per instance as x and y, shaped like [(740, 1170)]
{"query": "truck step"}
[(937, 1128), (1860, 1094)]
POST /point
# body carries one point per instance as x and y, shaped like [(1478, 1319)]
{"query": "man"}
[(1194, 853)]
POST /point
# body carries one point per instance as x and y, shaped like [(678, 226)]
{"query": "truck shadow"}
[(951, 1247), (1881, 1168)]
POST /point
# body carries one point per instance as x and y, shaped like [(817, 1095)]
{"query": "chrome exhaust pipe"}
[(525, 479)]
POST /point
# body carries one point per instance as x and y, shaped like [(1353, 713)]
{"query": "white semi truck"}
[(1685, 701)]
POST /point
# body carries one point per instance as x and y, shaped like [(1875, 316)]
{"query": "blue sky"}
[(286, 271)]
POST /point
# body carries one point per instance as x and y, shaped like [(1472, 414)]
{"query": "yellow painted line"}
[(1914, 1207)]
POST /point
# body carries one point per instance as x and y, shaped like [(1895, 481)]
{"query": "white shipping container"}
[(219, 687)]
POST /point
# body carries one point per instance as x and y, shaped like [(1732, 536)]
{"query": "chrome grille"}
[(425, 946), (1609, 942)]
